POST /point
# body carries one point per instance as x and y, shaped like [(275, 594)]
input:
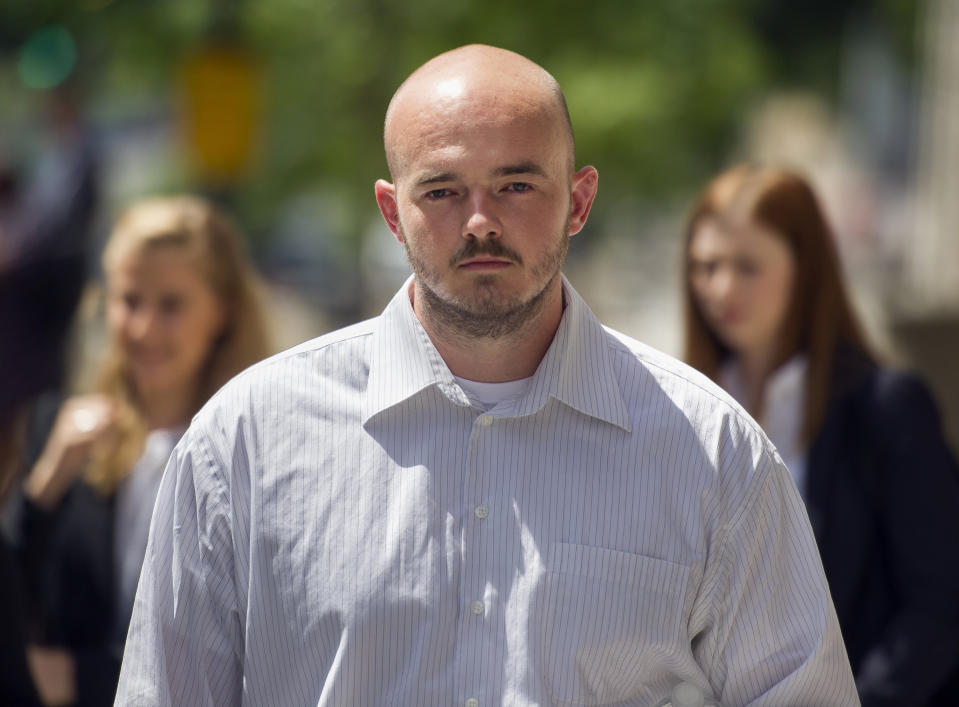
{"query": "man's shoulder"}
[(340, 355), (667, 372), (675, 404), (329, 344), (340, 345)]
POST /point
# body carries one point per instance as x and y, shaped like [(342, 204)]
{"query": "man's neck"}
[(496, 359)]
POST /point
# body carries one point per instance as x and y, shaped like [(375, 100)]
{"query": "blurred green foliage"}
[(657, 89)]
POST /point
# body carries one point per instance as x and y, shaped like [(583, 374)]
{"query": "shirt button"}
[(477, 607), (481, 511), (472, 702), (485, 420)]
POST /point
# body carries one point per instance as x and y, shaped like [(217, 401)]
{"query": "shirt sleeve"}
[(185, 641), (774, 638)]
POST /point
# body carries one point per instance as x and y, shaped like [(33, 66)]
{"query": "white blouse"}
[(784, 400), (134, 509)]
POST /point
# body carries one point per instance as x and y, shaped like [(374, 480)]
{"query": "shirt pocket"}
[(611, 618)]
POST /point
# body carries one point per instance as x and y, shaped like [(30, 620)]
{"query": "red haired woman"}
[(767, 316)]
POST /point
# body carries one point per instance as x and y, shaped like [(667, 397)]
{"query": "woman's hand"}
[(54, 674), (82, 422)]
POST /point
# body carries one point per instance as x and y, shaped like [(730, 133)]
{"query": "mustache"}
[(494, 249)]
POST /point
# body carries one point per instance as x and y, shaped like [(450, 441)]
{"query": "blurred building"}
[(926, 307)]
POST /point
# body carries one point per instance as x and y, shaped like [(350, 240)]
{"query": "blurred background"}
[(275, 110)]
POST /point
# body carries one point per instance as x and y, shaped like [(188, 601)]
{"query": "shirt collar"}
[(577, 369), (403, 360)]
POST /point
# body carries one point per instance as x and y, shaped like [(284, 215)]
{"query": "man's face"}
[(483, 203)]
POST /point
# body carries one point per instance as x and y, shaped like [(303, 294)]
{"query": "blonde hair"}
[(215, 244)]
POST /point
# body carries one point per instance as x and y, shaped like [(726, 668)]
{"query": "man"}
[(481, 497)]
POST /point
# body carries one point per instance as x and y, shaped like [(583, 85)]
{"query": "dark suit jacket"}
[(68, 562), (883, 498), (16, 684)]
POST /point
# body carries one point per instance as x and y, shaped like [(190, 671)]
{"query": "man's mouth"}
[(485, 256), (484, 263)]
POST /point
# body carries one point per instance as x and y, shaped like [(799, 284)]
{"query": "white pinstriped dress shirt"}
[(340, 526)]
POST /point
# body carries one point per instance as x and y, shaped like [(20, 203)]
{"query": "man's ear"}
[(585, 184), (386, 200)]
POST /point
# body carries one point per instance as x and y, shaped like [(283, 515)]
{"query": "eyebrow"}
[(504, 171), (436, 178), (519, 168)]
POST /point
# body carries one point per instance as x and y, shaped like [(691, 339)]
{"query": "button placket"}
[(476, 635)]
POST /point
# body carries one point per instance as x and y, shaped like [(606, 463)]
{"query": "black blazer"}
[(882, 492), (16, 684), (68, 561)]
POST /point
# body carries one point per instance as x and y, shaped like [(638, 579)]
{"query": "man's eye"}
[(519, 187), (437, 193)]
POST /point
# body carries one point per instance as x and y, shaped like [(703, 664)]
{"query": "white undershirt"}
[(784, 400), (489, 395)]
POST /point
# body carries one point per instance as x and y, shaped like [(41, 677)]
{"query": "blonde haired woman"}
[(184, 316)]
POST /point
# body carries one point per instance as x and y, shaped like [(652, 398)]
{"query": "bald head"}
[(477, 84)]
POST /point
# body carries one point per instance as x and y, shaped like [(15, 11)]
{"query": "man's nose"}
[(482, 221)]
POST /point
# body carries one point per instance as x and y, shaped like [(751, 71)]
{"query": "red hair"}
[(820, 321)]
